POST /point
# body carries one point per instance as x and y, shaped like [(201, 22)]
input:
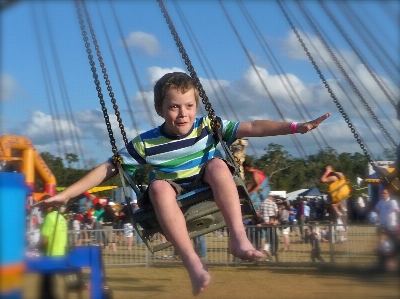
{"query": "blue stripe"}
[(135, 155), (190, 164), (175, 145)]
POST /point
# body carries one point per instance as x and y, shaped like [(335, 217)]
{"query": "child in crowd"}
[(181, 153), (315, 240)]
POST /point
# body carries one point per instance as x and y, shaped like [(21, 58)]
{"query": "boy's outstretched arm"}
[(95, 177), (262, 128)]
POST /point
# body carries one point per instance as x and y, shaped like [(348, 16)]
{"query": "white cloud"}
[(323, 59), (146, 42), (154, 73), (8, 87)]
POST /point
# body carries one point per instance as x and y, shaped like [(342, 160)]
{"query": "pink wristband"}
[(293, 127)]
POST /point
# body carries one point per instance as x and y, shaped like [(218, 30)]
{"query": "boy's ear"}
[(158, 110)]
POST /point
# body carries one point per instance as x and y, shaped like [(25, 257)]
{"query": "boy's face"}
[(179, 111)]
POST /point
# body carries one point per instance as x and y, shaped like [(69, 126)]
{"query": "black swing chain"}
[(339, 65), (211, 113), (202, 93), (332, 95), (96, 78)]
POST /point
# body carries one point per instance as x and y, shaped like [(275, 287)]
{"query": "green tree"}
[(71, 158), (273, 162)]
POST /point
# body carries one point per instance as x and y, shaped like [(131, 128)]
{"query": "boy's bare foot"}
[(200, 279), (245, 251)]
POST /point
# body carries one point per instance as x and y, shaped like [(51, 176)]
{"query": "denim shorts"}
[(145, 203)]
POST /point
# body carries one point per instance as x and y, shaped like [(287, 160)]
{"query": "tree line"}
[(285, 172)]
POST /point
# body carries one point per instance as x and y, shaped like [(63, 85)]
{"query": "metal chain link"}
[(202, 93), (95, 76), (332, 95), (105, 75), (339, 65)]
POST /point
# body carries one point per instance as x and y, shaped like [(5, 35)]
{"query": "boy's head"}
[(176, 100), (176, 80)]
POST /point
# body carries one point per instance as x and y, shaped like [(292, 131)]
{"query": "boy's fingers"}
[(321, 118)]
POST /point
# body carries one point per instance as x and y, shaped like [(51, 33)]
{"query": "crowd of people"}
[(104, 224)]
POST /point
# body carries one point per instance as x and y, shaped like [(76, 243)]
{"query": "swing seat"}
[(340, 190), (388, 175), (201, 213), (260, 195)]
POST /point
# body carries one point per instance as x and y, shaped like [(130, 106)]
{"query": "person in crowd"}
[(292, 219), (126, 224), (200, 246), (268, 208), (97, 223), (325, 234), (284, 220), (388, 216), (109, 216), (271, 247), (257, 177), (341, 229), (86, 220), (329, 176), (185, 156), (314, 238), (33, 233), (135, 207), (388, 210), (302, 218), (76, 228), (360, 207), (54, 240)]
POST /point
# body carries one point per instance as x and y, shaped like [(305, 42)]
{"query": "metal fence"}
[(356, 244)]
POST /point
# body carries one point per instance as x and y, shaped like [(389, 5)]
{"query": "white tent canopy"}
[(293, 195)]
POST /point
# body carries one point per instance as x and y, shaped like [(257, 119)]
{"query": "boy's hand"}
[(53, 201), (311, 125)]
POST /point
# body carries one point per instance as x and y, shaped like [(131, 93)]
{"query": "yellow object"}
[(339, 190), (93, 190), (32, 162)]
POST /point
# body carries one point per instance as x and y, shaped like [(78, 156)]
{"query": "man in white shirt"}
[(388, 210), (360, 207)]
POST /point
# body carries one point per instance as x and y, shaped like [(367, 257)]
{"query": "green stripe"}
[(156, 141), (182, 160), (229, 130), (137, 143), (179, 174)]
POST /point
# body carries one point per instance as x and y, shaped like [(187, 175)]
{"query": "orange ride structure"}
[(21, 149)]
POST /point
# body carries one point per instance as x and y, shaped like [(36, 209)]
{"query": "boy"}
[(181, 152)]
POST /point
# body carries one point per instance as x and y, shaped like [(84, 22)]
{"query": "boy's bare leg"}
[(219, 177), (172, 221)]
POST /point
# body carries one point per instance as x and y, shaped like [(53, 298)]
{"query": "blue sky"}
[(47, 88)]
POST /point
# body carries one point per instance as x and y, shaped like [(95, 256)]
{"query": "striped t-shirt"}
[(176, 158)]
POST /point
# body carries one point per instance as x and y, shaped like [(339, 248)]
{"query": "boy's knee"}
[(160, 187), (216, 164)]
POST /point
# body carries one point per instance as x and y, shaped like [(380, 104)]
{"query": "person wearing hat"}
[(54, 238)]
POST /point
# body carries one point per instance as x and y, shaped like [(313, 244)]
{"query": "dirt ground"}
[(251, 281)]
